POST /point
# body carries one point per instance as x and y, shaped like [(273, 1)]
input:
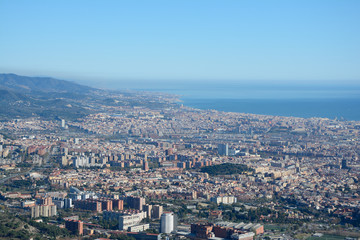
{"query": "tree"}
[(121, 237)]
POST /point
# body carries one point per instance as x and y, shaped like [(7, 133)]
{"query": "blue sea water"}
[(345, 109), (329, 100)]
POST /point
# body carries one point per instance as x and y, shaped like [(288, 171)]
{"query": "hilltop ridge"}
[(50, 98), (26, 84)]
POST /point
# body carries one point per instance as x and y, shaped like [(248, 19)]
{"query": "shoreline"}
[(254, 107)]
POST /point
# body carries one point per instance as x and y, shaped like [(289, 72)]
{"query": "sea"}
[(326, 100)]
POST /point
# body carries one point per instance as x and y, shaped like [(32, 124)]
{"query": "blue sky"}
[(234, 40)]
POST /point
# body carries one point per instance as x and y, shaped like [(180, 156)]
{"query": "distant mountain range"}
[(49, 98), (44, 84), (22, 96)]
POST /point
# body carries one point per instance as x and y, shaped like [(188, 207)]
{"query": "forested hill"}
[(25, 84), (22, 97), (50, 98), (226, 169)]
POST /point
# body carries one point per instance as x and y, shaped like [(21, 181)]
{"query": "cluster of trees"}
[(112, 224), (226, 169), (51, 230), (257, 214), (14, 234), (183, 211), (10, 229), (20, 228), (121, 237), (20, 184)]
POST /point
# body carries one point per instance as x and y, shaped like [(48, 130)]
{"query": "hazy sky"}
[(307, 40)]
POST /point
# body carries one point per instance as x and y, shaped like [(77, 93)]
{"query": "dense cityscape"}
[(179, 120), (159, 170)]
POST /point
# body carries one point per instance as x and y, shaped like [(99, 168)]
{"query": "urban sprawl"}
[(134, 172)]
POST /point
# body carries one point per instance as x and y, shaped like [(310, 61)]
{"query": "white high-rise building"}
[(63, 123), (224, 199), (167, 222), (81, 162), (43, 211)]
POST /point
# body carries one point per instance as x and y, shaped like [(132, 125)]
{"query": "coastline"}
[(304, 101), (341, 109)]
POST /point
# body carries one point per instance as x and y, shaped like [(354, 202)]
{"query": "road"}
[(15, 175)]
